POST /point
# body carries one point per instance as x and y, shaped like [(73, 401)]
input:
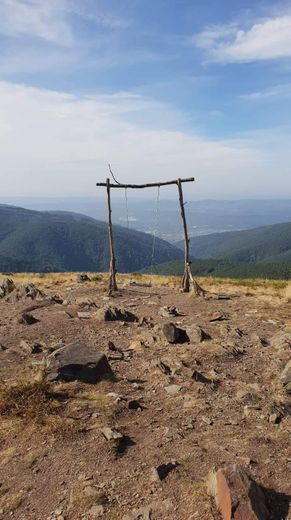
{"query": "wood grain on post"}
[(112, 267), (141, 186), (186, 279)]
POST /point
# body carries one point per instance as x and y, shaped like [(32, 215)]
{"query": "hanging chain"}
[(155, 229)]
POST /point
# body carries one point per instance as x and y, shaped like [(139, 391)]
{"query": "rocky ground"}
[(187, 385)]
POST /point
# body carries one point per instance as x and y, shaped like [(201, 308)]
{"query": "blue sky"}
[(158, 88)]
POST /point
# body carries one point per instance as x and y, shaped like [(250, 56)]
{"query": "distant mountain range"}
[(203, 216), (264, 244), (227, 269), (36, 241)]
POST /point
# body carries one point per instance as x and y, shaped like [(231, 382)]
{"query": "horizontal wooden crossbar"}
[(139, 186)]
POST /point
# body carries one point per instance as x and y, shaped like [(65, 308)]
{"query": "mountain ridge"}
[(262, 244), (63, 241)]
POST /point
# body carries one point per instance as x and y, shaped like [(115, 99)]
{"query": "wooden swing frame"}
[(187, 277)]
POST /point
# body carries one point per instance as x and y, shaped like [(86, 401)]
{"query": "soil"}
[(55, 462)]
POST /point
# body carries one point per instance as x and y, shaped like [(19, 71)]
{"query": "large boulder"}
[(237, 495), (77, 362), (23, 292)]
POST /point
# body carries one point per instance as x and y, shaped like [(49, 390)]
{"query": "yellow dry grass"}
[(279, 288)]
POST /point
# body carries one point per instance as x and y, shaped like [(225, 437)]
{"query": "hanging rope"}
[(126, 208), (153, 266)]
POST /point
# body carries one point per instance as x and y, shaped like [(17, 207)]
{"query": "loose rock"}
[(116, 314), (27, 319), (173, 334), (281, 340), (196, 334), (6, 287), (111, 434), (237, 496), (286, 374), (78, 362)]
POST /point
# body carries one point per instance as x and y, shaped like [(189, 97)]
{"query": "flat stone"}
[(167, 312), (96, 512), (111, 434), (78, 362), (84, 315), (173, 389), (143, 513)]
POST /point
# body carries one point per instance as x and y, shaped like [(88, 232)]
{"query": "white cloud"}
[(53, 20), (59, 144), (278, 92), (267, 39), (45, 19)]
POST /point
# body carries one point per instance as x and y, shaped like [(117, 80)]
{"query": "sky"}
[(158, 88)]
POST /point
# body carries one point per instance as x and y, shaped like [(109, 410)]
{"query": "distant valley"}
[(203, 216)]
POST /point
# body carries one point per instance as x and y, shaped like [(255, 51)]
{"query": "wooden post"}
[(187, 277), (112, 267)]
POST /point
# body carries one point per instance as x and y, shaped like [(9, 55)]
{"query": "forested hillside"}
[(60, 241)]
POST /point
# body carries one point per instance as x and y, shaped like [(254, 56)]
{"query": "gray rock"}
[(167, 312), (116, 314), (111, 434), (26, 291), (286, 374), (96, 512), (196, 334), (173, 334), (200, 378), (144, 513), (173, 389), (30, 348), (6, 287), (281, 340), (78, 362), (27, 319), (83, 278), (161, 472)]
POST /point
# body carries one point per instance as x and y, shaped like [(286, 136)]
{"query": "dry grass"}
[(7, 455), (281, 288), (31, 401)]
